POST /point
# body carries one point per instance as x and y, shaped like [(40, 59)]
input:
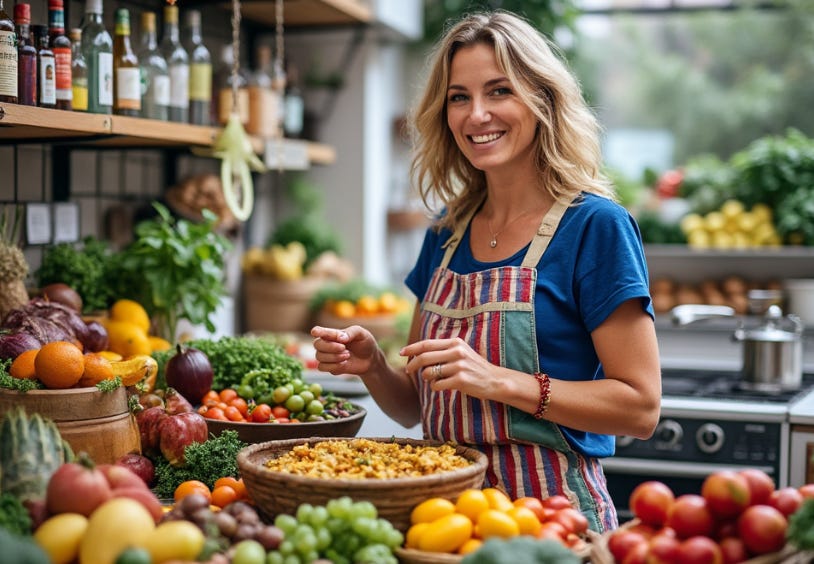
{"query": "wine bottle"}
[(8, 57), (200, 71), (97, 49), (46, 68), (26, 57), (155, 77), (178, 64), (126, 76), (61, 46)]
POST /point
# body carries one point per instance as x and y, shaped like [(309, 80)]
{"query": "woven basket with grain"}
[(281, 492)]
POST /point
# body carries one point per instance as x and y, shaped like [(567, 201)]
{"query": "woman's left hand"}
[(451, 364)]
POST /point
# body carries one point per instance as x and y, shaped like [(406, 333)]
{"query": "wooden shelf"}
[(28, 124), (307, 13)]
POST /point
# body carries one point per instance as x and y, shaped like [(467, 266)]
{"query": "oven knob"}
[(710, 438), (668, 434)]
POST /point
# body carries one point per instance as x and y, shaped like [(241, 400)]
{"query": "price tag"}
[(287, 154), (37, 224), (66, 222)]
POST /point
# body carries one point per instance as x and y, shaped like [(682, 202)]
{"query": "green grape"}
[(305, 540), (286, 548), (292, 559), (319, 516), (274, 557), (334, 556), (364, 526), (310, 556), (304, 512), (286, 523), (395, 538), (324, 538), (306, 396), (377, 553), (364, 509)]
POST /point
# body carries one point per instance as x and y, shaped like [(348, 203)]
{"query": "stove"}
[(709, 421)]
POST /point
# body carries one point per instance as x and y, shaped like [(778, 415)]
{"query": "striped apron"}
[(493, 311)]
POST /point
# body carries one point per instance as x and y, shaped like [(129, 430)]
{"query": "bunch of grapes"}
[(343, 531)]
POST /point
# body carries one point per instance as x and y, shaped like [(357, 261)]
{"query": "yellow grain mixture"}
[(364, 458)]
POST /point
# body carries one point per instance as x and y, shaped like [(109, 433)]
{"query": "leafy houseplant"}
[(177, 269)]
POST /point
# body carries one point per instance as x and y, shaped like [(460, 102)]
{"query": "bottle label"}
[(179, 86), (128, 88), (62, 56), (80, 95), (8, 63), (200, 82), (47, 78), (161, 90), (105, 69)]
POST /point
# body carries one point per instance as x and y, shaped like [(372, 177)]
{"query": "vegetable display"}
[(13, 266), (521, 549)]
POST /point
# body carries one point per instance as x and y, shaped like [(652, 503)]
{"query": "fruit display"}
[(732, 226)]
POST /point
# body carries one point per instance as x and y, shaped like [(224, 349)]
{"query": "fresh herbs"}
[(801, 526), (179, 267), (207, 461), (109, 385), (10, 382), (14, 516)]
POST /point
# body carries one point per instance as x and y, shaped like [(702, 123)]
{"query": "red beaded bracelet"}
[(545, 394)]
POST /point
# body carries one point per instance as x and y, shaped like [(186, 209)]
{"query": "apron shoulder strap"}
[(452, 243), (544, 233)]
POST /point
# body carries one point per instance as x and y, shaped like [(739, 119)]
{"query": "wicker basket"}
[(279, 492), (413, 556)]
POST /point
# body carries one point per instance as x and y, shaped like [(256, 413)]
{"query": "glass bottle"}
[(8, 58), (46, 68), (61, 46), (293, 105), (178, 65), (224, 89), (79, 73), (126, 76), (264, 101), (26, 57), (200, 71), (97, 48), (155, 77)]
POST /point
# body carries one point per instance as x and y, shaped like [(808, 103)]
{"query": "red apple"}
[(761, 485), (690, 516), (786, 500), (140, 465), (762, 528), (727, 493)]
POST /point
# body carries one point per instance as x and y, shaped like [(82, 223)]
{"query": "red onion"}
[(190, 373)]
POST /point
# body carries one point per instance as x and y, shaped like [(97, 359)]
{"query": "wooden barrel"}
[(90, 420)]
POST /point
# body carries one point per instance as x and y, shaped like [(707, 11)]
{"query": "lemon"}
[(732, 208), (722, 240), (494, 523), (526, 520), (447, 534), (175, 540), (472, 503), (698, 239), (115, 525), (414, 533), (498, 499), (747, 221), (714, 221), (762, 212), (60, 536), (131, 312), (431, 509), (691, 222)]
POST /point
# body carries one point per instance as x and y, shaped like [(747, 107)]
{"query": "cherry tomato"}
[(215, 413), (240, 404), (280, 412), (261, 413), (233, 414), (228, 394), (210, 399)]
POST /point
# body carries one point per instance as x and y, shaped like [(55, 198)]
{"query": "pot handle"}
[(690, 313)]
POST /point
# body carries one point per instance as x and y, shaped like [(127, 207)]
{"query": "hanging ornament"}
[(233, 145)]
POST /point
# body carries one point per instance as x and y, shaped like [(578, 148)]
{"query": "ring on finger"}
[(436, 370)]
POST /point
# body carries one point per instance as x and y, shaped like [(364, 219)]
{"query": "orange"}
[(234, 483), (131, 312), (367, 305), (59, 364), (223, 496), (158, 344), (97, 368), (472, 503), (23, 365), (343, 309), (127, 339), (191, 487)]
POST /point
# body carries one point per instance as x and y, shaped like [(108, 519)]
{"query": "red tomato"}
[(786, 500), (210, 399), (699, 550), (807, 491), (622, 541), (261, 413), (534, 504), (663, 549), (552, 530), (761, 485), (727, 493), (280, 412), (650, 501), (637, 554), (762, 528), (215, 413), (689, 516), (733, 550), (227, 395), (572, 519), (240, 404), (233, 414), (556, 502)]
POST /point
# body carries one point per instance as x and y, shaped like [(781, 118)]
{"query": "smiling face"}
[(491, 125)]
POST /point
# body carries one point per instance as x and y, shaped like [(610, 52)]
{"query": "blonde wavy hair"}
[(567, 143)]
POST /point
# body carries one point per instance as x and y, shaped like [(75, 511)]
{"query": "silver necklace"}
[(493, 241)]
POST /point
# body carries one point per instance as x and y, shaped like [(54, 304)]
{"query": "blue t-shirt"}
[(594, 263)]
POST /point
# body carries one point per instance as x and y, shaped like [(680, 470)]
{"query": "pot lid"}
[(770, 331)]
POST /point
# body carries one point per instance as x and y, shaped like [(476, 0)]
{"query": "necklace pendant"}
[(493, 242)]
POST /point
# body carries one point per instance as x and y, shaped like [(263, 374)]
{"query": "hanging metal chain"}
[(278, 80), (235, 53)]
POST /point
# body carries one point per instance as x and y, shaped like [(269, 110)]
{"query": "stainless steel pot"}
[(772, 352)]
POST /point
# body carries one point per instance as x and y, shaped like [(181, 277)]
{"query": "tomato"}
[(556, 502), (663, 549), (622, 541), (690, 516), (650, 501), (261, 413), (761, 485), (727, 493), (210, 398), (807, 491), (637, 554), (191, 487), (534, 504), (572, 519), (223, 495), (215, 413), (762, 528), (233, 414), (733, 550), (227, 394), (240, 404), (552, 530), (699, 550), (280, 412), (786, 500)]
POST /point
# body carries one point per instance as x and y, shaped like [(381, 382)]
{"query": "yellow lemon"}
[(431, 510), (127, 339), (762, 212), (732, 208), (446, 534), (60, 536), (714, 221), (494, 523), (414, 533), (527, 521), (175, 540), (470, 546), (497, 499), (691, 222), (132, 312), (472, 503)]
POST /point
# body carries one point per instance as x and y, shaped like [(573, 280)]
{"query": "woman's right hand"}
[(344, 351)]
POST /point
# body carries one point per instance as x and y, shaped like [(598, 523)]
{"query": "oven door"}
[(801, 465), (624, 474)]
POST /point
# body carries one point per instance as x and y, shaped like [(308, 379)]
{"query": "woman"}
[(533, 338)]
